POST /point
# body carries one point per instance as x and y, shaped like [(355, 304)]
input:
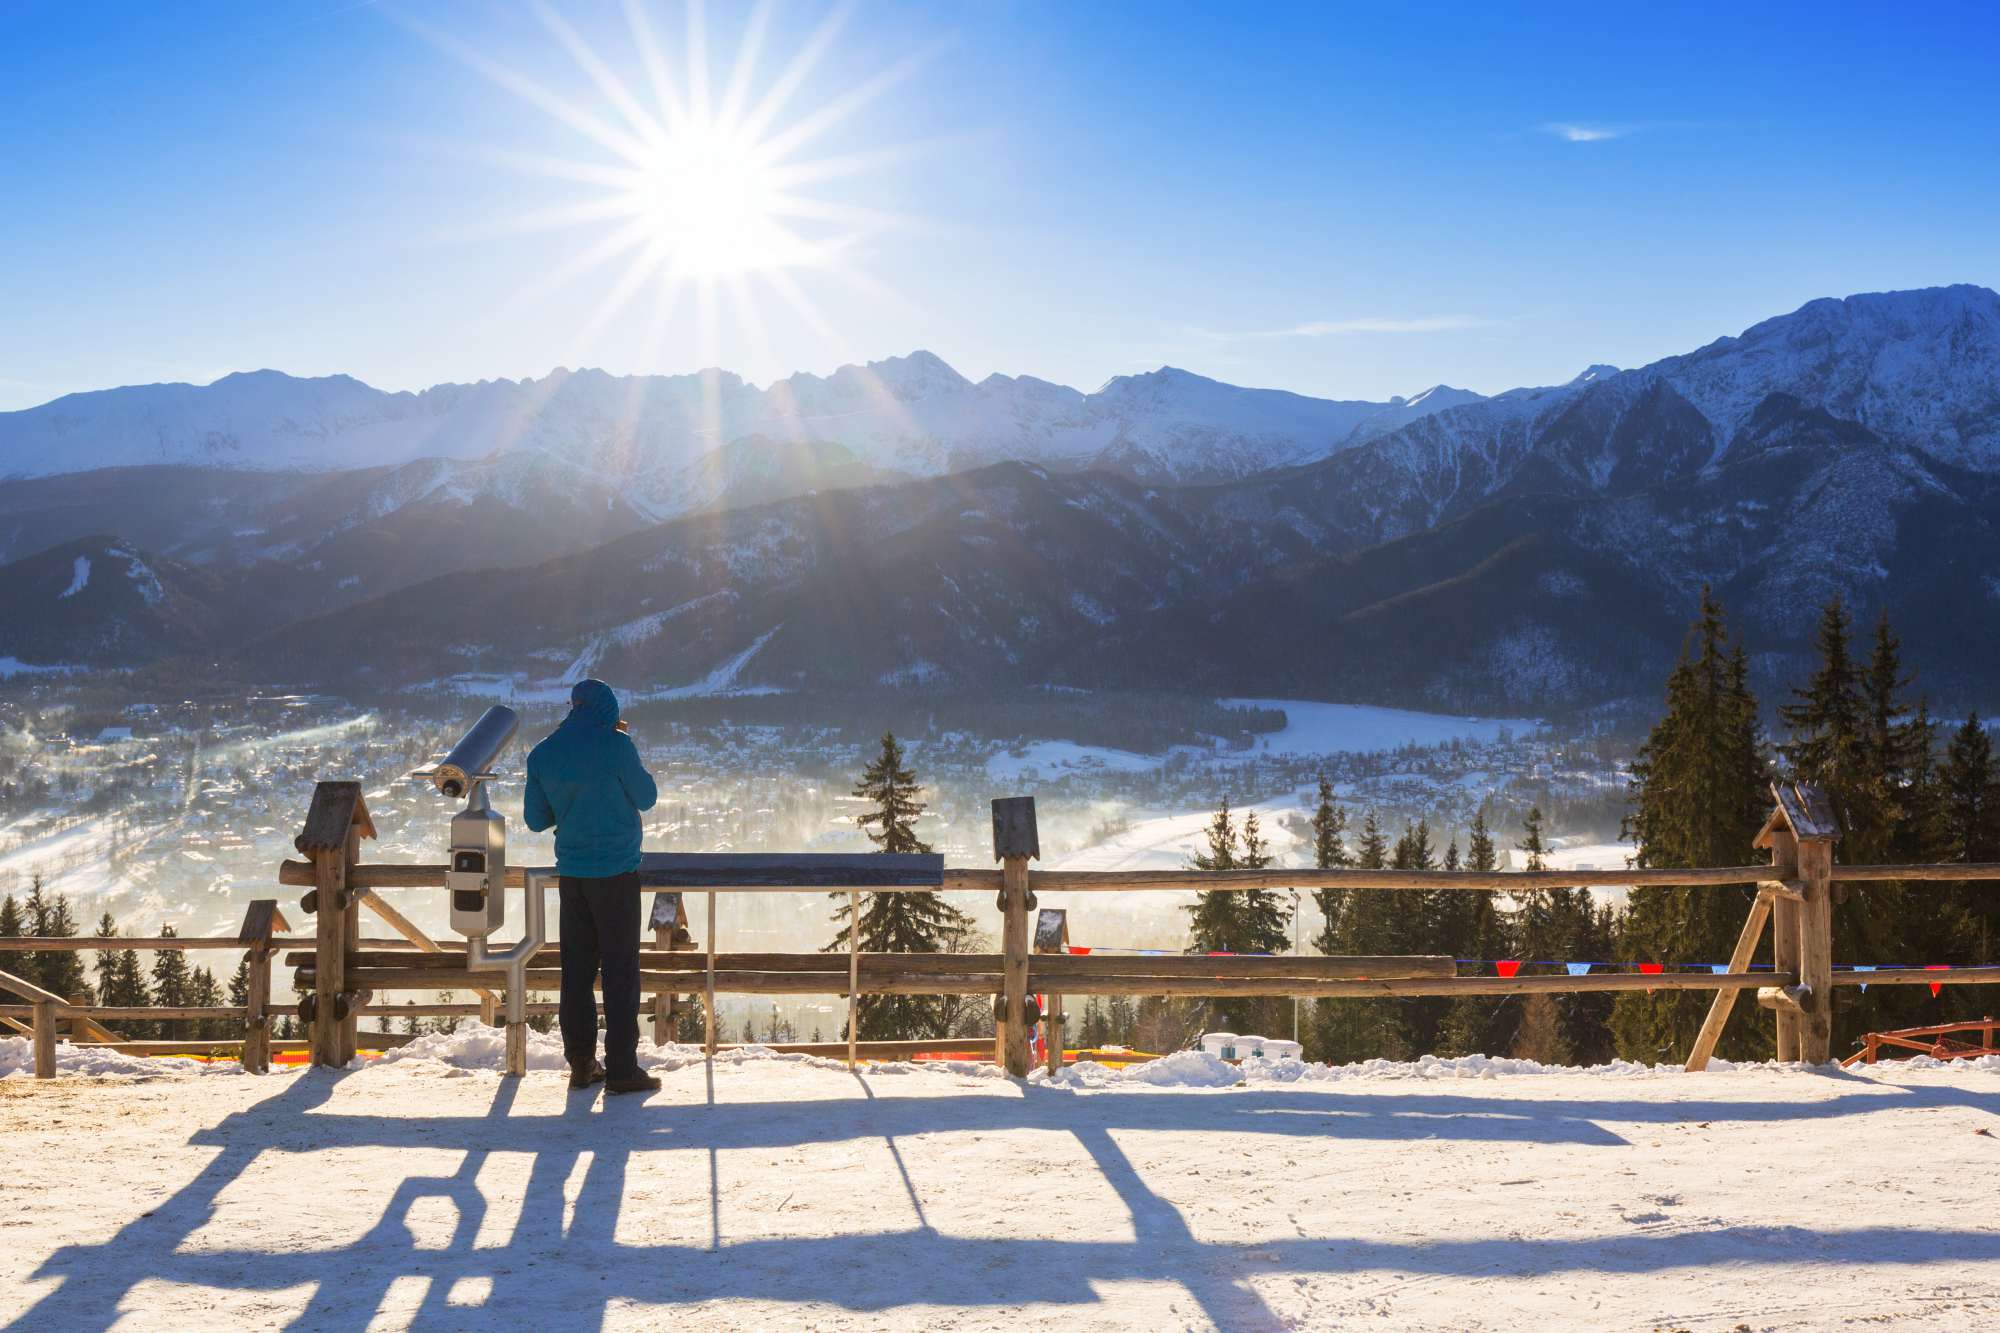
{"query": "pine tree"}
[(205, 993), (1477, 1024), (1329, 844), (1245, 921), (61, 972), (1699, 792), (121, 982), (1967, 824), (1346, 1030), (107, 961), (898, 922), (1557, 925), (1826, 720), (172, 986)]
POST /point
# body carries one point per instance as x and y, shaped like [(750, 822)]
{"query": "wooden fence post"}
[(1052, 936), (260, 923), (1816, 951), (45, 1039), (1800, 835), (1015, 842), (335, 823), (664, 919)]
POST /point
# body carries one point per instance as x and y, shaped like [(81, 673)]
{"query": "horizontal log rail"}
[(1051, 967), (1970, 870), (888, 981), (118, 1012), (153, 943)]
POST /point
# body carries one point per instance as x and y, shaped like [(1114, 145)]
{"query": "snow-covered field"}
[(785, 1192)]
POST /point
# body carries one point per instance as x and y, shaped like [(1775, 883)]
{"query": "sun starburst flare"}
[(693, 193)]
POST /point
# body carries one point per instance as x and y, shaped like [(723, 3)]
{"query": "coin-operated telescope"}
[(476, 869)]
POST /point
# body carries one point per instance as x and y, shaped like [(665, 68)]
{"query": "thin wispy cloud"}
[(1329, 328), (1575, 133), (1582, 131)]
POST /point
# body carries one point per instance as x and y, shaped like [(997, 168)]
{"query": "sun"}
[(685, 189), (711, 203)]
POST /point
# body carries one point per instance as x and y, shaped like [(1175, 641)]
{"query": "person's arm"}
[(638, 783), (535, 811)]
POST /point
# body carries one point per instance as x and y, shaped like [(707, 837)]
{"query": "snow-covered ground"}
[(1310, 729), (1320, 728), (785, 1192)]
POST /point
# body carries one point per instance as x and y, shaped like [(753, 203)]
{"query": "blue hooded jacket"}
[(587, 781)]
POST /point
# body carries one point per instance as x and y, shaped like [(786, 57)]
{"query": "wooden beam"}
[(410, 931), (1965, 871), (1816, 942), (1785, 999), (835, 983), (1725, 1000), (1785, 935)]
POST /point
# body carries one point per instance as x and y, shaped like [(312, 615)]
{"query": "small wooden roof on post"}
[(336, 807), (1803, 810)]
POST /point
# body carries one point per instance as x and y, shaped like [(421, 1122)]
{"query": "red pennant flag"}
[(1651, 969), (1507, 967), (1937, 986), (1079, 948)]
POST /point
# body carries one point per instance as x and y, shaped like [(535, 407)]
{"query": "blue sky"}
[(1344, 201)]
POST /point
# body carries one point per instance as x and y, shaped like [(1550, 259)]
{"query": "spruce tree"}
[(1825, 719), (1347, 1030), (898, 922), (204, 992), (1329, 826), (1476, 1024), (172, 986), (1967, 823), (1699, 791), (63, 972), (1240, 921)]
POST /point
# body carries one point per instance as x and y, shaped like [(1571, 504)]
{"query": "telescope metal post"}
[(708, 995), (853, 974)]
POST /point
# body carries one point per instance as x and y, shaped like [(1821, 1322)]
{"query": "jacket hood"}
[(594, 702)]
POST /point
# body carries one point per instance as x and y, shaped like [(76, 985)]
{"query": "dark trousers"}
[(600, 929)]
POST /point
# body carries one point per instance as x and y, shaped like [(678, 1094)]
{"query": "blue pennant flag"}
[(1577, 969), (1864, 967), (1718, 968)]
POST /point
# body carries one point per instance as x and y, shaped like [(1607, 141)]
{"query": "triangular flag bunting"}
[(1652, 968), (1079, 948), (1508, 967), (1578, 969), (1720, 969), (1864, 967), (1937, 986)]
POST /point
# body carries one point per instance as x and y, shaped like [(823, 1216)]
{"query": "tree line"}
[(116, 977), (1907, 789)]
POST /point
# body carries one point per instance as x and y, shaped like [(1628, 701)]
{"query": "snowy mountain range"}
[(1537, 549), (657, 436)]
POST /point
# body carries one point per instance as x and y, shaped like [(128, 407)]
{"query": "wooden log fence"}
[(345, 977)]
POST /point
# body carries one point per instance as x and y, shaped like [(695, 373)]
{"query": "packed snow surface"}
[(776, 1191), (1317, 728)]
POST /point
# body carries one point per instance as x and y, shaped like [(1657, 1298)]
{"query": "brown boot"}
[(637, 1081), (579, 1079)]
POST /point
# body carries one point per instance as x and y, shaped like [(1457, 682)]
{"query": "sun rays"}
[(693, 197)]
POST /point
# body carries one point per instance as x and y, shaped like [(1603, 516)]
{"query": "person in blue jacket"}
[(587, 782)]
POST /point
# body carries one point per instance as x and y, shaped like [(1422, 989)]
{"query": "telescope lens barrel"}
[(476, 750)]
